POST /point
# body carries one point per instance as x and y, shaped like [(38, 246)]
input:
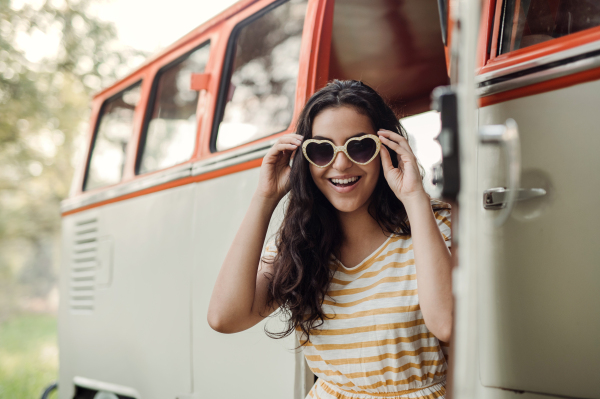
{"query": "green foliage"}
[(44, 111), (44, 106), (28, 356)]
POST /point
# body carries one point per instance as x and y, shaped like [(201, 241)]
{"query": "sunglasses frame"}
[(342, 148)]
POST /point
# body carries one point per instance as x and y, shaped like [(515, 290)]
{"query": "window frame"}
[(492, 61), (141, 144), (226, 72), (97, 122)]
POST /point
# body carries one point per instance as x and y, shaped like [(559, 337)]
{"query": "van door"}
[(537, 251)]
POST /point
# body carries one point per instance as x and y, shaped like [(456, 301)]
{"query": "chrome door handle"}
[(507, 136), (495, 198)]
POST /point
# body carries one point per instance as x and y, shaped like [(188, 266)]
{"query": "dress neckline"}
[(385, 243)]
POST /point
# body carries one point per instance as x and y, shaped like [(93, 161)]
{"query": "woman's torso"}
[(375, 342)]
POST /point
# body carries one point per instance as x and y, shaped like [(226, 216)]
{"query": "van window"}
[(257, 98), (113, 132), (169, 137), (529, 22)]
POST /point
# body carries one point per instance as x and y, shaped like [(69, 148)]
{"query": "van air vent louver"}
[(84, 260)]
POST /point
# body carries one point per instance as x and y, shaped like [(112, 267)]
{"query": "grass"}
[(28, 356)]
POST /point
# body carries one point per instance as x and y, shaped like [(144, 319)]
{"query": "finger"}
[(290, 139), (400, 150), (388, 133), (281, 147), (398, 138), (394, 136), (405, 144), (392, 144)]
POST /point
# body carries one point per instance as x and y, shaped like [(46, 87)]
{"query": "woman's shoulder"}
[(442, 212), (439, 205)]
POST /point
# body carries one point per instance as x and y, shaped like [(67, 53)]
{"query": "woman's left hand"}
[(405, 180)]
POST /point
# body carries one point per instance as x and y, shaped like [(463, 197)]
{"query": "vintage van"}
[(172, 161)]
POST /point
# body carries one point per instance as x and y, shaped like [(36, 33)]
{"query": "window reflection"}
[(529, 22), (262, 88), (112, 138), (171, 132)]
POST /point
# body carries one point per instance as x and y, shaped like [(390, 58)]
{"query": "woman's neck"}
[(359, 227)]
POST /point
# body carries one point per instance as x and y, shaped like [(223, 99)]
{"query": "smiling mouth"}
[(345, 182)]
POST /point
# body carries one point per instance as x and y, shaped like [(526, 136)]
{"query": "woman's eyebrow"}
[(358, 135), (321, 138), (328, 139)]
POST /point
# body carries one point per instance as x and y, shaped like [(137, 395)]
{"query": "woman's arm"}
[(434, 267), (239, 298), (432, 257)]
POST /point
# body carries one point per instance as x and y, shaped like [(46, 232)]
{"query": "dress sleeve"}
[(442, 217)]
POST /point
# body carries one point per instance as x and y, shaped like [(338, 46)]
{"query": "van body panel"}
[(539, 281), (250, 364), (120, 338)]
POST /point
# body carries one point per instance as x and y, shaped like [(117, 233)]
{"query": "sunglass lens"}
[(320, 153), (362, 150)]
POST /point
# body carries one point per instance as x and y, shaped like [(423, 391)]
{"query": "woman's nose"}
[(341, 162)]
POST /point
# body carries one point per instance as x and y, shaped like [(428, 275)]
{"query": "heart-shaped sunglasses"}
[(360, 150)]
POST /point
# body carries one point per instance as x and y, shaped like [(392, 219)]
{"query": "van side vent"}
[(84, 261)]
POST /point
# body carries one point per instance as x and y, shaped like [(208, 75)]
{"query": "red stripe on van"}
[(176, 183)]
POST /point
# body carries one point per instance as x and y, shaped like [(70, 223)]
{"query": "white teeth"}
[(345, 181)]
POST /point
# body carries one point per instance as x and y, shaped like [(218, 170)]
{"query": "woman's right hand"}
[(273, 182)]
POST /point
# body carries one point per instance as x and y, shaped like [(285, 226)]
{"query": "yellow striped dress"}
[(374, 343)]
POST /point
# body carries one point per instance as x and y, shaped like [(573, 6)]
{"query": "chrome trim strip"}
[(200, 169), (541, 76), (106, 386), (127, 188), (573, 52), (218, 162), (232, 158), (236, 153)]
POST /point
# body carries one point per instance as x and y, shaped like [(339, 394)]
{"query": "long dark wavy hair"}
[(310, 232)]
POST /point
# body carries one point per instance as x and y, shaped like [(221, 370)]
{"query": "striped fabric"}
[(374, 343)]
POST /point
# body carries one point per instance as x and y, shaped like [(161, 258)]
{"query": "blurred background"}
[(53, 56)]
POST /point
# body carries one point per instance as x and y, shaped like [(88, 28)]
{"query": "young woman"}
[(359, 235)]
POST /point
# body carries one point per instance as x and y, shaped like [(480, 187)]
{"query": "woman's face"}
[(338, 125)]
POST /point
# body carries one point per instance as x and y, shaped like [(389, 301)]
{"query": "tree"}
[(44, 112)]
